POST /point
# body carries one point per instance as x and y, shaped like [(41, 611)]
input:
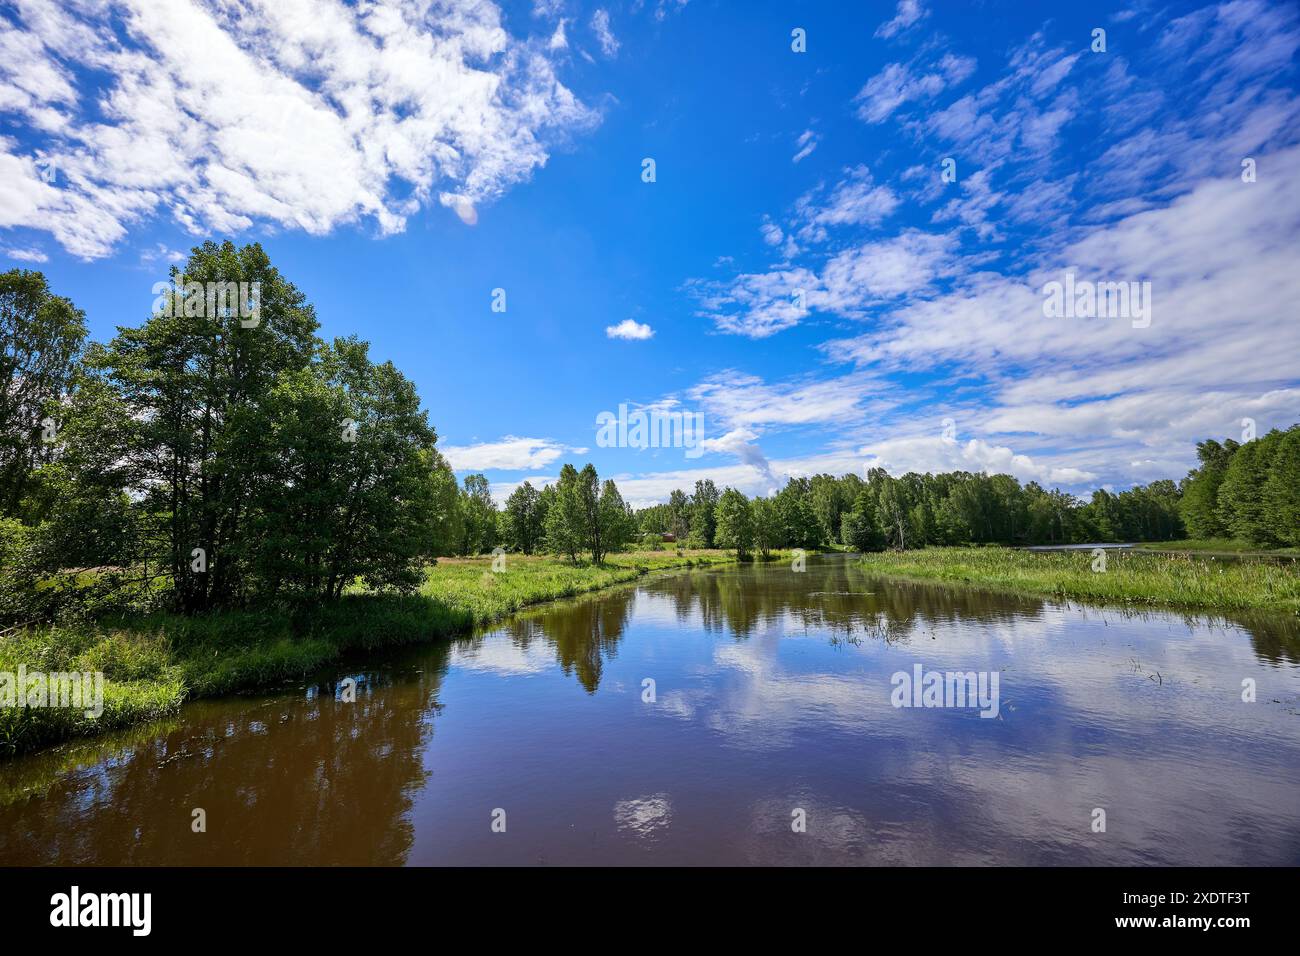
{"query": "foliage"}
[(735, 523)]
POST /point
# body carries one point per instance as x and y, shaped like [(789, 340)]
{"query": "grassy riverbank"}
[(151, 665), (1154, 580), (1207, 546)]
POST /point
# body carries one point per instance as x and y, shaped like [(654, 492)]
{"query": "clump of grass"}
[(1171, 580), (141, 682)]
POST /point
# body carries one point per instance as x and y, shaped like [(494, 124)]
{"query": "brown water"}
[(772, 696)]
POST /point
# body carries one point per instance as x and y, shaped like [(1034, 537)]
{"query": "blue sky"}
[(400, 161)]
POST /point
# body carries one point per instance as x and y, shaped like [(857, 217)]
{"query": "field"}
[(1154, 580)]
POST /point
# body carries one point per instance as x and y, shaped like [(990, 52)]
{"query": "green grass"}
[(1216, 545), (1155, 580), (153, 663)]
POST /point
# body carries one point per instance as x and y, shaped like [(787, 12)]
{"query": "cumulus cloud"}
[(629, 329), (298, 114)]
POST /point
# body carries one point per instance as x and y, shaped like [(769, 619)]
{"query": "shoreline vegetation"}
[(154, 663), (1216, 546), (1130, 577)]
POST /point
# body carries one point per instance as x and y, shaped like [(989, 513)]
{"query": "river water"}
[(768, 735)]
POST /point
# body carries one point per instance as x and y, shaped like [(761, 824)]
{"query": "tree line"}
[(215, 461), (209, 460), (1250, 492), (577, 515)]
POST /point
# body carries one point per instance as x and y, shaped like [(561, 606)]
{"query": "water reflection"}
[(284, 779), (771, 697)]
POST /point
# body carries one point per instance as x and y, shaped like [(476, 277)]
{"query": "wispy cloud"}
[(604, 34), (909, 13)]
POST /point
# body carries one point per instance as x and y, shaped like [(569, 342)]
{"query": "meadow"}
[(1142, 579)]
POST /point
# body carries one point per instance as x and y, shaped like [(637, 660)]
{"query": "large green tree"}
[(735, 523), (41, 338), (523, 519)]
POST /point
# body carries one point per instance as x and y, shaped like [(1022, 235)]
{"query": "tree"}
[(587, 496), (703, 520), (523, 519), (41, 338), (1242, 505), (859, 528), (892, 511), (1200, 489), (565, 529), (352, 491), (826, 503), (735, 528), (1282, 489), (614, 517), (679, 515), (767, 531), (479, 516), (192, 389), (795, 516)]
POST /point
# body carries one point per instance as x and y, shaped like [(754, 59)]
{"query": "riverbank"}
[(153, 664), (1143, 578), (1217, 546)]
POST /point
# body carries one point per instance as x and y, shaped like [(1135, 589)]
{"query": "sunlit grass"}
[(1137, 579)]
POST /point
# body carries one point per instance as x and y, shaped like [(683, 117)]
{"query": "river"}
[(743, 715)]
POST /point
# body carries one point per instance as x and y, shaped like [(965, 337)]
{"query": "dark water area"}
[(773, 705)]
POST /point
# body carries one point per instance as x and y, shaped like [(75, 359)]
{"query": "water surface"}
[(772, 695)]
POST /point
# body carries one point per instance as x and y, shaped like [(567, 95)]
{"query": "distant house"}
[(658, 536)]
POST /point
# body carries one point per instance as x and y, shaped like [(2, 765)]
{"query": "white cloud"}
[(604, 35), (26, 255), (758, 305), (908, 13), (298, 114), (508, 454), (897, 84), (804, 145), (857, 200), (931, 453), (747, 402), (772, 233), (558, 39), (629, 329)]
